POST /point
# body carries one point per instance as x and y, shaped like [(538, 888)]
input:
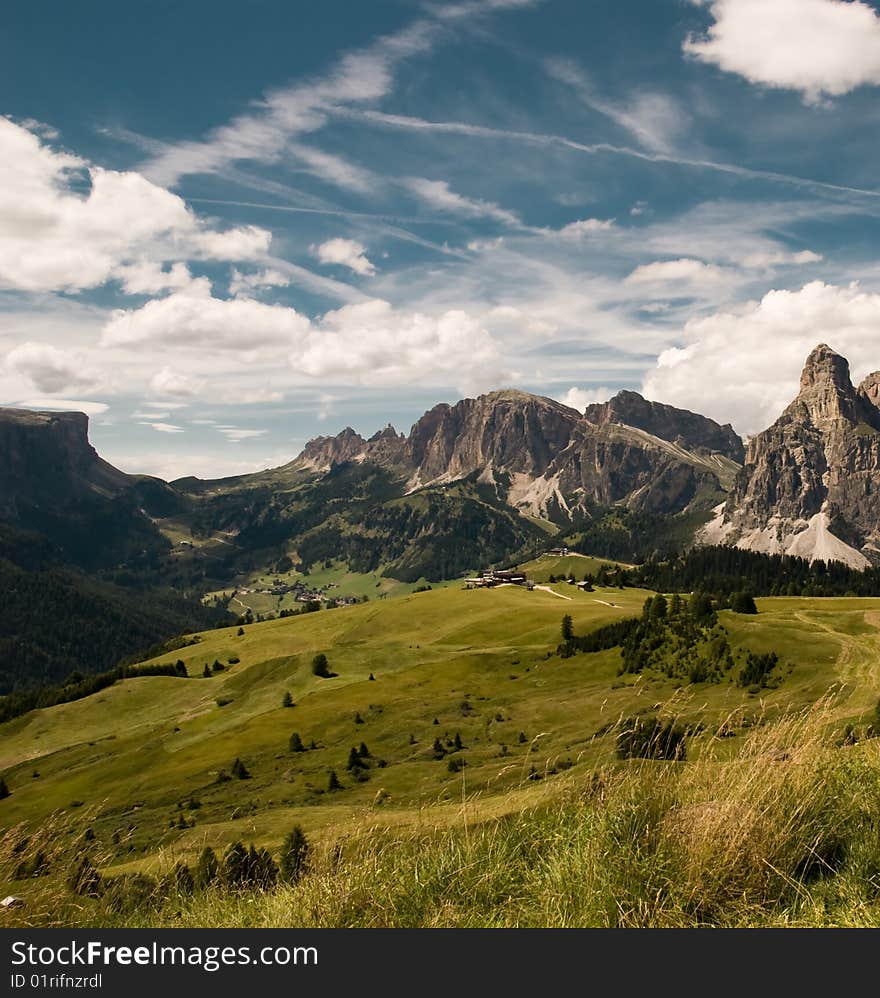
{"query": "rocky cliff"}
[(546, 458), (46, 460), (810, 485)]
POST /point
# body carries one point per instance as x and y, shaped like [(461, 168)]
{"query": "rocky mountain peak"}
[(678, 426), (869, 390), (809, 484), (323, 453), (826, 389)]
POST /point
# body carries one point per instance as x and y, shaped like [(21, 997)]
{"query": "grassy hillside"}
[(138, 763)]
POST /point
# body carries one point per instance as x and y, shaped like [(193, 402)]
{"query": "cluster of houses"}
[(304, 594), (493, 577)]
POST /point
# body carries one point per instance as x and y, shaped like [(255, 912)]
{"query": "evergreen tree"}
[(320, 666), (522, 738), (207, 673), (457, 742), (207, 869), (371, 678), (218, 666), (4, 789), (294, 855), (239, 770), (354, 761), (363, 751), (235, 866), (743, 603), (659, 607), (180, 668), (333, 781), (439, 750), (240, 631), (567, 628), (295, 744), (287, 699), (358, 719)]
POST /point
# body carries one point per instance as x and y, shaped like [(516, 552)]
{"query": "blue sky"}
[(227, 228)]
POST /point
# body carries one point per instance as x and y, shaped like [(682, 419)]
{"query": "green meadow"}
[(467, 715)]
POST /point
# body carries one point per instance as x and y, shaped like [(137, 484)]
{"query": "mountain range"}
[(472, 482), (488, 480)]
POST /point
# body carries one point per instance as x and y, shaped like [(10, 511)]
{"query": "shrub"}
[(207, 869), (651, 738)]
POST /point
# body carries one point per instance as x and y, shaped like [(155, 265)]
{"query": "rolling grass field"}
[(138, 763)]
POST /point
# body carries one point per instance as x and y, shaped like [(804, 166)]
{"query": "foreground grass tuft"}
[(786, 832)]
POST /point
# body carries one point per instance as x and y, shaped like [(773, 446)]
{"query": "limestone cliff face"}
[(505, 431), (546, 456), (46, 460), (811, 482), (677, 426)]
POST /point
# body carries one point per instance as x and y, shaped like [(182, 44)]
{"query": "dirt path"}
[(547, 589)]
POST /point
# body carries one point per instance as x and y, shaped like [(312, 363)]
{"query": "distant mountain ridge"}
[(546, 457)]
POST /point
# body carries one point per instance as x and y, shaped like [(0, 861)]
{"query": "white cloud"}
[(743, 367), (192, 318), (66, 405), (50, 369), (372, 343), (247, 243), (164, 427), (780, 258), (580, 398), (345, 253), (244, 283), (53, 237), (821, 48), (679, 271), (438, 194), (586, 227), (263, 135), (174, 383), (235, 435), (147, 277)]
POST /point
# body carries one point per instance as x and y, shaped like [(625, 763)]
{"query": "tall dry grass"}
[(784, 831)]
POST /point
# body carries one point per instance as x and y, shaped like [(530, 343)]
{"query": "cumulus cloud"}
[(243, 284), (743, 367), (147, 277), (174, 383), (193, 318), (438, 194), (345, 253), (50, 369), (372, 343), (821, 48), (678, 271), (54, 237), (580, 398)]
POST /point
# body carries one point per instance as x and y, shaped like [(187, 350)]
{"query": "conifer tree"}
[(207, 869), (4, 789), (294, 855), (235, 866), (333, 781), (295, 744), (287, 699)]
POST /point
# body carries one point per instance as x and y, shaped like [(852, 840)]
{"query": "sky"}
[(226, 229)]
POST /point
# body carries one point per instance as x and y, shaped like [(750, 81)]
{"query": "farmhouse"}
[(492, 578)]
